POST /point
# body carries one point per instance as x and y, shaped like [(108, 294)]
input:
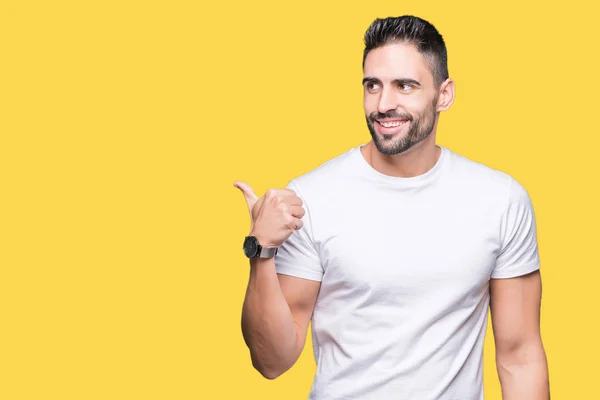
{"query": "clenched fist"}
[(275, 216)]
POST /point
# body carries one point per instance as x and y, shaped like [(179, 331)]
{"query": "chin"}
[(389, 148)]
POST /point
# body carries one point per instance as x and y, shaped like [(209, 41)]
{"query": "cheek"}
[(415, 104), (370, 103), (419, 106)]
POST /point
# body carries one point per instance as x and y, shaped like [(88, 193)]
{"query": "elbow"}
[(520, 354), (270, 375), (267, 372)]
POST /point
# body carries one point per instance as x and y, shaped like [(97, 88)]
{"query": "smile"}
[(391, 124)]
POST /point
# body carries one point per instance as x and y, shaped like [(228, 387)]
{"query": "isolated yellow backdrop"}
[(123, 125)]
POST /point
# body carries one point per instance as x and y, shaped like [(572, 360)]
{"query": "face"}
[(400, 98)]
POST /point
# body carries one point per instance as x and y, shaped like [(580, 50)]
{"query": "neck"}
[(415, 161)]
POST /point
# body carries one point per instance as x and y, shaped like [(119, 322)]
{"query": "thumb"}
[(249, 194)]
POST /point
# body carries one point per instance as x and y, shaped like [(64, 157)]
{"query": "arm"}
[(275, 317), (520, 357), (278, 307)]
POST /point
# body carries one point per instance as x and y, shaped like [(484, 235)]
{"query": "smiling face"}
[(400, 97)]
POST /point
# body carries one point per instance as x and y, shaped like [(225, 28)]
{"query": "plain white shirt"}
[(404, 266)]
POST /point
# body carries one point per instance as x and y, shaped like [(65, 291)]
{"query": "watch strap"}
[(267, 252)]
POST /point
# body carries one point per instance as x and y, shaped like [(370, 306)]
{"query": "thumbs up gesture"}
[(275, 216)]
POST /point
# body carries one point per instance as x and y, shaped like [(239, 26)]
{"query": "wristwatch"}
[(253, 249)]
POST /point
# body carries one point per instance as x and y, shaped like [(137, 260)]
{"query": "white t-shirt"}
[(404, 265)]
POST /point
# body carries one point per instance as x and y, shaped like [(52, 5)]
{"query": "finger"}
[(281, 192), (246, 189), (249, 194), (297, 211), (297, 224), (293, 201)]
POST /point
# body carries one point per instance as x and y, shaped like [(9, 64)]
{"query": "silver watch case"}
[(253, 249)]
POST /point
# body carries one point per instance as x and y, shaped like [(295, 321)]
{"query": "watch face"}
[(250, 246)]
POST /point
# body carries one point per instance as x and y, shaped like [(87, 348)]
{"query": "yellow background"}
[(125, 123)]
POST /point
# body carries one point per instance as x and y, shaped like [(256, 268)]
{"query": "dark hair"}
[(413, 30)]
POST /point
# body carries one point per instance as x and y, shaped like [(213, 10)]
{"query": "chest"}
[(410, 248)]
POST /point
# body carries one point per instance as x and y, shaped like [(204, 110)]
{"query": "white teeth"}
[(390, 124)]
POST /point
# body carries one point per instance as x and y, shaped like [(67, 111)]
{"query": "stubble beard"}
[(420, 128)]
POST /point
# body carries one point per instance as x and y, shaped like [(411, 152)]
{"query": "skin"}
[(277, 308), (520, 357), (398, 85)]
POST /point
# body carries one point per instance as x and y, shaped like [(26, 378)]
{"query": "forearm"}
[(268, 326), (523, 373)]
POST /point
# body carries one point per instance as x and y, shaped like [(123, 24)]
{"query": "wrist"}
[(257, 247), (262, 263), (262, 240)]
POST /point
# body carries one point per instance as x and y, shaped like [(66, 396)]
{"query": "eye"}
[(372, 86), (405, 86)]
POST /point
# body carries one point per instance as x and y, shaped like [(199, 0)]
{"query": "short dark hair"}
[(413, 30)]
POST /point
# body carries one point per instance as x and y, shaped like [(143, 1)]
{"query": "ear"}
[(446, 95)]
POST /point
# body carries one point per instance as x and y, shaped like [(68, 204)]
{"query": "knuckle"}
[(270, 193), (275, 199), (288, 221)]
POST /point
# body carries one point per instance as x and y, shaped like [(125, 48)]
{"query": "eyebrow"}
[(398, 81)]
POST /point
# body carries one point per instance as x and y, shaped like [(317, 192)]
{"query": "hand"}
[(275, 216)]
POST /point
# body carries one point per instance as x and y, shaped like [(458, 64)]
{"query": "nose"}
[(387, 101)]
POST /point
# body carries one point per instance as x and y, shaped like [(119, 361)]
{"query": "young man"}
[(395, 249)]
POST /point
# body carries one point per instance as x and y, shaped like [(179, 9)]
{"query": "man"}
[(395, 249)]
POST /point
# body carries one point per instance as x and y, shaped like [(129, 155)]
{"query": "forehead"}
[(397, 60)]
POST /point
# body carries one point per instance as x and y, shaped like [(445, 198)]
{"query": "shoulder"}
[(477, 177), (470, 169), (322, 178)]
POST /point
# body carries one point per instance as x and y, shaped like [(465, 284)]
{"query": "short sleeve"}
[(297, 256), (518, 237)]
